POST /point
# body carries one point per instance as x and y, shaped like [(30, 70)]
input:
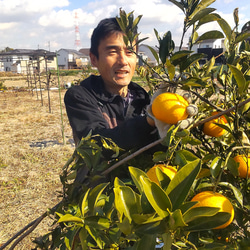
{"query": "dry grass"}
[(29, 173)]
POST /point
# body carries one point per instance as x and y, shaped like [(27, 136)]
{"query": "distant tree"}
[(7, 49)]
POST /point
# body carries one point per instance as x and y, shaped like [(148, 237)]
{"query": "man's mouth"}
[(121, 72)]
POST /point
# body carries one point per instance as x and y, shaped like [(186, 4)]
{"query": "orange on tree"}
[(168, 170), (211, 129), (244, 165), (170, 108), (211, 199)]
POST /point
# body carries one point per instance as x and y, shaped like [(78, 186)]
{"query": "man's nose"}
[(122, 59)]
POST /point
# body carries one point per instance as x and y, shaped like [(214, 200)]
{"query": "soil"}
[(33, 151)]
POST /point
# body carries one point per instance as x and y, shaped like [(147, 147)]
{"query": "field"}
[(32, 155)]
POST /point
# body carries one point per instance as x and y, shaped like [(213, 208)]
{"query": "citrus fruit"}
[(244, 161), (211, 129), (211, 199), (170, 108), (168, 170)]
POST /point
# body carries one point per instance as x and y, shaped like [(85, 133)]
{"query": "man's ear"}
[(93, 59)]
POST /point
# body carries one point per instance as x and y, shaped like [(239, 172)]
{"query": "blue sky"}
[(50, 24)]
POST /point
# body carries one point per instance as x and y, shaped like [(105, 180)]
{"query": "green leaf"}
[(179, 56), (213, 34), (198, 212), (210, 66), (206, 223), (86, 156), (98, 222), (171, 69), (191, 140), (208, 18), (237, 193), (232, 166), (215, 166), (191, 60), (157, 197), (201, 14), (125, 202), (83, 238), (180, 185), (124, 226), (178, 4), (183, 157), (136, 21), (155, 54), (239, 77), (70, 218), (146, 242), (94, 195), (163, 179), (176, 220), (160, 156), (69, 238), (84, 205), (156, 226), (195, 82), (166, 47), (170, 136), (118, 183), (97, 236), (241, 37), (202, 5), (145, 205), (136, 173), (187, 205), (226, 28)]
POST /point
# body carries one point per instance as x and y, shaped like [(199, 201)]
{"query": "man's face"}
[(116, 63)]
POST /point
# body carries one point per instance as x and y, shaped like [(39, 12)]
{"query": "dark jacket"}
[(90, 107)]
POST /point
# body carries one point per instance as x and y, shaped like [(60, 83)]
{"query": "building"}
[(71, 59), (145, 54), (211, 48), (22, 61)]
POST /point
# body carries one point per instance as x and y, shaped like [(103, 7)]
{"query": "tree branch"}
[(32, 225), (220, 113)]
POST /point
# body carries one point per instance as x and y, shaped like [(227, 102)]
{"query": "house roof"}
[(28, 52), (73, 51), (85, 51)]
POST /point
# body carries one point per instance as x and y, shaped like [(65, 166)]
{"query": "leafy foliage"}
[(124, 209)]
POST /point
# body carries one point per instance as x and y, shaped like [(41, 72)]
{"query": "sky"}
[(51, 24)]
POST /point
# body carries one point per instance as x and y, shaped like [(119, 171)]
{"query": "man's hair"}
[(105, 28)]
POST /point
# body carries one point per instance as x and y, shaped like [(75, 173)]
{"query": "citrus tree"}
[(129, 200)]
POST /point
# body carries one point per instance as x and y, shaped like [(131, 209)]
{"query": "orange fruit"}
[(244, 161), (170, 108), (211, 129), (168, 170), (211, 199)]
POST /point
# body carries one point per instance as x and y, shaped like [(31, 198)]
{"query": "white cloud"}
[(62, 18), (27, 23), (7, 26)]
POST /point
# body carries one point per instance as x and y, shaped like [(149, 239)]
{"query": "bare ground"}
[(32, 154)]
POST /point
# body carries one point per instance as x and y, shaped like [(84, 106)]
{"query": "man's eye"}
[(129, 52), (112, 51)]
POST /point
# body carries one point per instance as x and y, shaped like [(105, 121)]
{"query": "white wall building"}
[(24, 60), (147, 55), (71, 59), (209, 43)]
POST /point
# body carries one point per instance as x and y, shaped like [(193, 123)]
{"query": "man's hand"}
[(163, 127)]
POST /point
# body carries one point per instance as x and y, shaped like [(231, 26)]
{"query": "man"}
[(110, 104)]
